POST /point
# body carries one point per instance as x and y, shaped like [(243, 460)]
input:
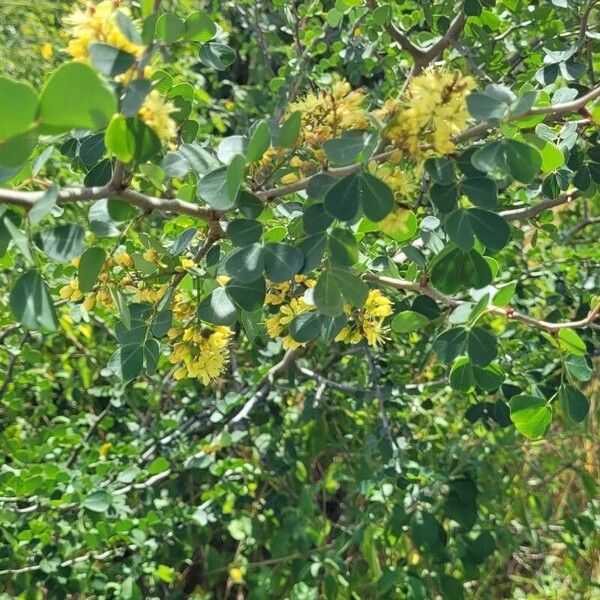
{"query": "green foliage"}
[(291, 311)]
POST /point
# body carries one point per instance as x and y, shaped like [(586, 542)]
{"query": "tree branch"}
[(508, 313)]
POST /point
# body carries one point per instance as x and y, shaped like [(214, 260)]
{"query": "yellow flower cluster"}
[(287, 296), (202, 354), (278, 324), (367, 323), (101, 295), (403, 179), (97, 23), (156, 113), (435, 110), (325, 115)]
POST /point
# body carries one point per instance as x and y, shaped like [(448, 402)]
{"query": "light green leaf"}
[(531, 415)]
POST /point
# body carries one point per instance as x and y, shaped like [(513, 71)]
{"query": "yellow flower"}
[(156, 113), (104, 449), (327, 114), (47, 51), (368, 322), (289, 178), (204, 354), (124, 260), (435, 110), (236, 574), (97, 23), (151, 255), (187, 264), (279, 322), (89, 302), (395, 222), (71, 291)]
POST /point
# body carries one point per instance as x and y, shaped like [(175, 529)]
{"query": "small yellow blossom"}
[(278, 324), (236, 574), (204, 353), (368, 322), (123, 259), (97, 23), (104, 449), (156, 113), (47, 51), (289, 178), (71, 291), (187, 264), (435, 110)]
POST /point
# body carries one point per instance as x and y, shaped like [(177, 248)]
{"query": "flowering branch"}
[(508, 313)]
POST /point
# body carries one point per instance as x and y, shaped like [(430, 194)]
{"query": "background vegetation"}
[(302, 465)]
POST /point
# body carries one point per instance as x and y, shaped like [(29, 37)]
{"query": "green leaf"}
[(230, 147), (98, 501), (313, 248), (569, 341), (119, 139), (342, 200), (343, 247), (31, 304), (217, 56), (450, 344), (109, 60), (444, 197), (151, 356), (456, 269), (243, 232), (75, 97), (90, 266), (482, 346), (259, 142), (522, 161), (327, 296), (306, 327), (128, 361), (364, 190), (458, 226), (481, 191), (376, 197), (491, 229), (246, 263), (574, 404), (352, 288), (409, 320), (199, 27), (217, 308), (18, 108), (489, 378), (63, 242), (290, 130), (282, 262), (235, 175), (162, 323), (440, 170), (248, 296), (128, 28), (462, 377), (578, 367), (504, 295), (147, 143), (158, 465), (43, 206), (213, 189), (531, 415), (486, 108), (134, 97), (316, 219), (16, 150), (348, 149), (183, 241), (169, 28), (488, 157)]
